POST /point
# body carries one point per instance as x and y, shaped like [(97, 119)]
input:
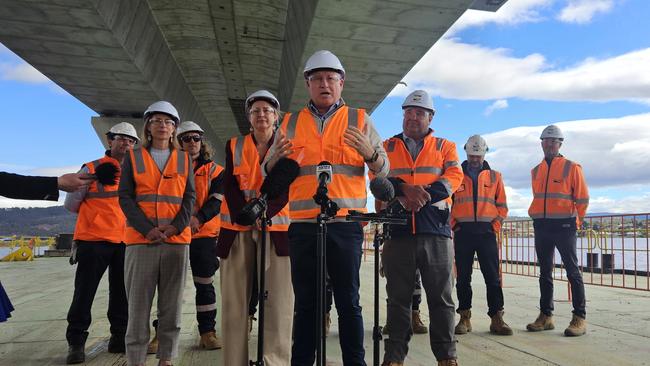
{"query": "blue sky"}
[(583, 64)]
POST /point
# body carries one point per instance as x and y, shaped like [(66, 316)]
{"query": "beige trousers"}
[(236, 286)]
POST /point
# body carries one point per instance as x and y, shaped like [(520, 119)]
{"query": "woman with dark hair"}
[(157, 196)]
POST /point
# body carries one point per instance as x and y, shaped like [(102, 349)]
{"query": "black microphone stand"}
[(386, 219), (328, 209), (262, 294)]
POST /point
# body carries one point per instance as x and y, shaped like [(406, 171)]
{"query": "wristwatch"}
[(373, 158)]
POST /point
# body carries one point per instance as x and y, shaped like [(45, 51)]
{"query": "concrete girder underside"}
[(206, 56)]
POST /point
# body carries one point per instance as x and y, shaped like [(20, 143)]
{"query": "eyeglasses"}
[(159, 121), (261, 111), (195, 138), (329, 79), (128, 140), (417, 112)]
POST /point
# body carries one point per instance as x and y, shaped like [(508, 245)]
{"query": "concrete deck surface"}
[(618, 324)]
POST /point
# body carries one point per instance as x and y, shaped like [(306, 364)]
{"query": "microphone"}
[(276, 183), (107, 173), (324, 173), (383, 190)]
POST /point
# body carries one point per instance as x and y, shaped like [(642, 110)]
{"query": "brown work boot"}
[(450, 362), (577, 327), (464, 325), (543, 322), (498, 326), (417, 324), (152, 347), (210, 340), (328, 322)]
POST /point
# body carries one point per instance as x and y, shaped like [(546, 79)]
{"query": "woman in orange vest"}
[(157, 196), (239, 246), (205, 223)]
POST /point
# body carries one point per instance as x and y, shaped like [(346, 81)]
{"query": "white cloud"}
[(613, 152), (499, 104), (456, 70), (582, 11), (22, 72), (511, 13)]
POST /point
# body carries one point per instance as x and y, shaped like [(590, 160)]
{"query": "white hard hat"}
[(552, 132), (162, 107), (263, 95), (124, 128), (188, 126), (323, 59), (419, 98), (476, 145)]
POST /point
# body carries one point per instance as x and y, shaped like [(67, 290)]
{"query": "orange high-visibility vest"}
[(159, 195), (202, 181), (490, 201), (248, 172), (100, 215), (559, 192), (437, 162), (348, 185)]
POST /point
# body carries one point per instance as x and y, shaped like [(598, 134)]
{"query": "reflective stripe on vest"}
[(203, 182), (100, 215), (490, 200), (247, 171), (553, 191), (311, 146), (159, 194), (428, 167)]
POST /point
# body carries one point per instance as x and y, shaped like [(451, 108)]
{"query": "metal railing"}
[(612, 251)]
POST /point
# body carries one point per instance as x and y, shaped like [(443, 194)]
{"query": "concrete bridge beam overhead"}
[(206, 56), (378, 42)]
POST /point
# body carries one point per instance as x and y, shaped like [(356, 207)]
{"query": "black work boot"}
[(116, 344), (75, 354)]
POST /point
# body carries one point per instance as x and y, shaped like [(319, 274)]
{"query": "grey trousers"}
[(146, 267), (433, 256)]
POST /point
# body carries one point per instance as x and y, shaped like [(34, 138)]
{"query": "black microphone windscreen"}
[(280, 178), (107, 173), (382, 189)]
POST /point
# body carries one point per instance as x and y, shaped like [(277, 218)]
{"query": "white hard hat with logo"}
[(124, 128), (263, 95), (476, 145), (162, 107), (323, 59), (419, 98), (552, 132), (188, 126)]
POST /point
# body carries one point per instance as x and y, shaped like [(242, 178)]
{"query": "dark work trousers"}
[(204, 263), (433, 256), (565, 241), (343, 247), (93, 257), (486, 248), (417, 293)]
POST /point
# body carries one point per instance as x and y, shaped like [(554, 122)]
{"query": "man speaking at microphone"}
[(327, 130), (424, 171)]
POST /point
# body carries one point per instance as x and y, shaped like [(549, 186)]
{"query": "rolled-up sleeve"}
[(378, 145)]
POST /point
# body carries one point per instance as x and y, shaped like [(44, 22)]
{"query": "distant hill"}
[(36, 221)]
